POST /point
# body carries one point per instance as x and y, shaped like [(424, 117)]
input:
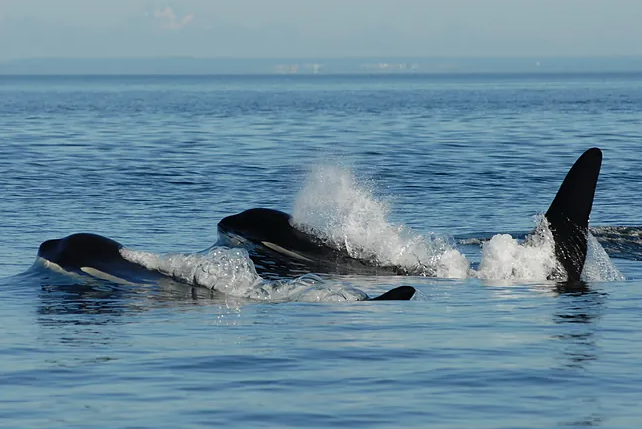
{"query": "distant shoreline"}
[(383, 75), (190, 66)]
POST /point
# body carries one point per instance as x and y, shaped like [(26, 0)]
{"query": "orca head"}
[(271, 229), (79, 250), (257, 225), (568, 215), (95, 255)]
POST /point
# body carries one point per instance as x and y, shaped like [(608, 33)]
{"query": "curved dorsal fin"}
[(568, 215)]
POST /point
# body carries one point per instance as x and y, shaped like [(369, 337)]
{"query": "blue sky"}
[(313, 28)]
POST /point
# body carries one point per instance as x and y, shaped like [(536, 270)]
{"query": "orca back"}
[(401, 293)]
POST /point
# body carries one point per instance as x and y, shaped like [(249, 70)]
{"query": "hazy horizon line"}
[(329, 57), (193, 65)]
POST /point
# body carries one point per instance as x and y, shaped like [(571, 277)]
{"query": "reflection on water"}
[(84, 310), (578, 314)]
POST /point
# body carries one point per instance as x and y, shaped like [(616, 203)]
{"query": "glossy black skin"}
[(401, 293), (77, 251), (568, 215)]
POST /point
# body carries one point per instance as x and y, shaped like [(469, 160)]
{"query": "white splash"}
[(231, 271), (348, 216), (504, 258)]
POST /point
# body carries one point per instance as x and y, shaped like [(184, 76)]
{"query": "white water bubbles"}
[(345, 214)]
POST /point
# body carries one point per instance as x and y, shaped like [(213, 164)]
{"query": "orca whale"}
[(93, 254), (275, 243), (101, 257), (276, 246)]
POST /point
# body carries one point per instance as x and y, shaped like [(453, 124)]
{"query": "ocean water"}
[(428, 167)]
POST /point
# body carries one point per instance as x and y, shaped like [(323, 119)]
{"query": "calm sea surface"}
[(156, 162)]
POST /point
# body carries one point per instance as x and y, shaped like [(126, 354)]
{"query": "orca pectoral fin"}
[(401, 293), (104, 276), (568, 215)]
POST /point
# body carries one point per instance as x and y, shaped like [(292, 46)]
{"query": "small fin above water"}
[(568, 215), (401, 293)]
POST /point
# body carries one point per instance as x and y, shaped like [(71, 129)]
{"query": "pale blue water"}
[(156, 162)]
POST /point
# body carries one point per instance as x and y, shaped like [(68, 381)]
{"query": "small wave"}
[(621, 241), (232, 272), (619, 233), (346, 215)]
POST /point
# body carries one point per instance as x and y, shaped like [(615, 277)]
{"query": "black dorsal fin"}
[(401, 293), (568, 215)]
